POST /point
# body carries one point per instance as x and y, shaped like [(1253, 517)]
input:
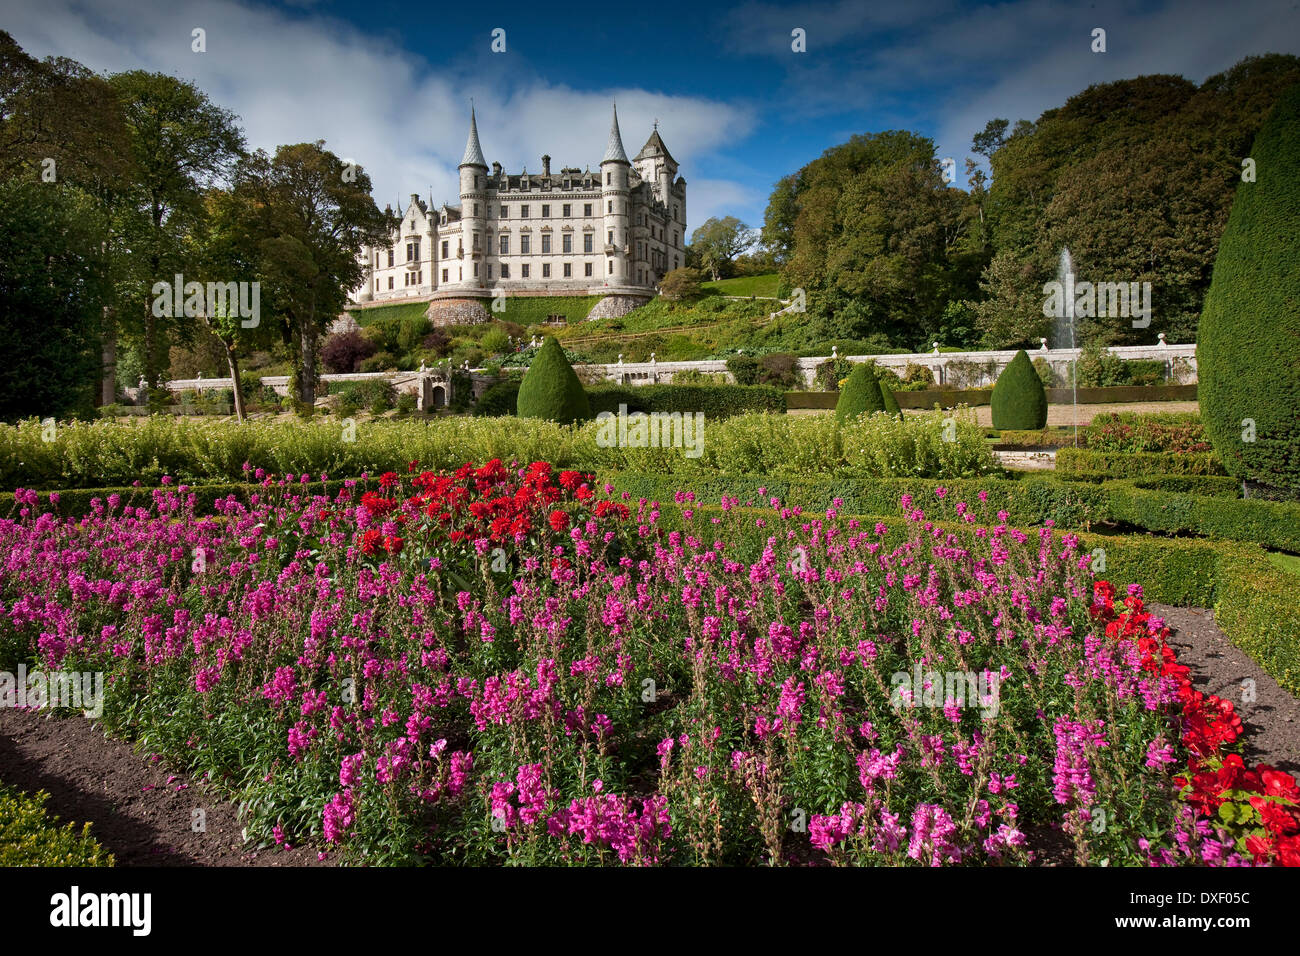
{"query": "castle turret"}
[(614, 169), (473, 209)]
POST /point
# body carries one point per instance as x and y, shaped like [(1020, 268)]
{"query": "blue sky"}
[(388, 83)]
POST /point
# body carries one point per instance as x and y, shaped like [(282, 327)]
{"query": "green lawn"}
[(1287, 562), (396, 312), (764, 285)]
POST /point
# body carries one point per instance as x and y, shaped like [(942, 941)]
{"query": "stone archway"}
[(439, 396)]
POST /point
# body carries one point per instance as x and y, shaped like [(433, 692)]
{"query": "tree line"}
[(111, 186), (1135, 177)]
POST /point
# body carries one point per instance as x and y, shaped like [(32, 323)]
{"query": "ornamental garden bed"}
[(510, 664)]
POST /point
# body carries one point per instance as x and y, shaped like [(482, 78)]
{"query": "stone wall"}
[(457, 312), (614, 306)]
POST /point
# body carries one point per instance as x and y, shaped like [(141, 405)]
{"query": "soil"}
[(141, 812)]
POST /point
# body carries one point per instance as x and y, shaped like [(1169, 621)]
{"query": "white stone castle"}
[(612, 233)]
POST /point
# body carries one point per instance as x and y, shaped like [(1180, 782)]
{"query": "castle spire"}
[(473, 151), (614, 148)]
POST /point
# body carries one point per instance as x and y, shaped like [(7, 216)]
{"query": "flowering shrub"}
[(505, 664)]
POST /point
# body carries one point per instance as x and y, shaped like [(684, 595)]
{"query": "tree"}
[(551, 389), (53, 283), (719, 241), (779, 220), (311, 214), (1248, 350), (681, 284), (180, 143)]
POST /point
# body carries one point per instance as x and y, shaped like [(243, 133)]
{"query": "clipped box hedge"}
[(31, 836), (715, 401), (1137, 464), (1274, 525), (76, 502)]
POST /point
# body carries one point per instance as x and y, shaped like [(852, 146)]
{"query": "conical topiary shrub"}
[(861, 394), (551, 389), (1019, 400), (1248, 341), (890, 403)]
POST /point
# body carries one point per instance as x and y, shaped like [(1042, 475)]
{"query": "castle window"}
[(489, 272), (611, 266), (505, 245), (444, 275), (444, 248), (390, 258), (546, 211), (505, 271), (523, 212), (413, 251), (568, 243), (609, 179), (586, 243), (609, 207), (568, 270), (587, 268), (523, 269), (390, 282), (546, 270), (674, 240), (505, 211), (546, 244), (674, 212), (476, 209), (476, 270), (567, 209), (586, 209), (610, 237), (525, 245)]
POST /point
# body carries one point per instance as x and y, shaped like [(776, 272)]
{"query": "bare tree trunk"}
[(108, 380), (232, 360), (307, 366)]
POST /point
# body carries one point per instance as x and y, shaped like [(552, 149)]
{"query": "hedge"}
[(76, 502), (1256, 607), (1274, 525), (715, 401), (1137, 464), (1158, 505)]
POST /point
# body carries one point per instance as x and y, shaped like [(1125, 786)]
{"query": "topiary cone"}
[(1019, 399), (861, 394), (551, 389), (1248, 341), (890, 402)]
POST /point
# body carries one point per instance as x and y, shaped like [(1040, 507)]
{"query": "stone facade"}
[(613, 306), (457, 312), (613, 231)]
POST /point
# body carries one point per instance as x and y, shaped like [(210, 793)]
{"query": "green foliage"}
[(715, 401), (890, 403), (1137, 464), (551, 389), (389, 314), (1019, 400), (30, 836), (681, 284), (53, 288), (499, 399), (1256, 607), (861, 395), (1149, 432), (1248, 348)]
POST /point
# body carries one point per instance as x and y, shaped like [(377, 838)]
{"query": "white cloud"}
[(295, 78)]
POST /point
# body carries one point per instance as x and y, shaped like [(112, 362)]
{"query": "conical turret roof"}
[(473, 151), (614, 148), (654, 146)]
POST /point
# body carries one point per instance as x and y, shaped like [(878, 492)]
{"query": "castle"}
[(612, 233)]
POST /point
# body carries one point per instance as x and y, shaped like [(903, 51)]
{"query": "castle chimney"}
[(546, 165), (496, 170)]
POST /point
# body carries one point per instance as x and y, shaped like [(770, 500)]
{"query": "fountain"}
[(1064, 324)]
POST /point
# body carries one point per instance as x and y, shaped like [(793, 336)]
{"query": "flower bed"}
[(502, 664)]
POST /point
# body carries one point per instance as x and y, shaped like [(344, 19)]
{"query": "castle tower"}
[(614, 170), (473, 210)]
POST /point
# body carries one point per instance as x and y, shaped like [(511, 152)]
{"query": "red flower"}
[(559, 521), (387, 479), (370, 541), (393, 544)]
